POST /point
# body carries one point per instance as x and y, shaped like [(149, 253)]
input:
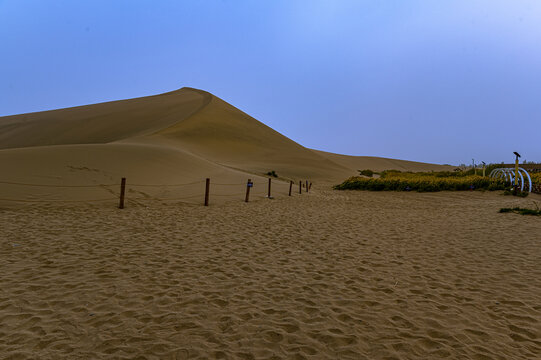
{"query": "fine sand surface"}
[(177, 138), (323, 275)]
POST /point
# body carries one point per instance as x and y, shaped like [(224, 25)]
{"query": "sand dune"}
[(98, 123), (173, 138), (227, 135), (380, 164)]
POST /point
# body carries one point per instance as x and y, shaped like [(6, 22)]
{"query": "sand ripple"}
[(325, 275)]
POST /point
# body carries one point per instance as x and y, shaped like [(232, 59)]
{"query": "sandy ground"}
[(325, 275)]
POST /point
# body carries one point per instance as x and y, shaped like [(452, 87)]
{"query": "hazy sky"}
[(438, 81)]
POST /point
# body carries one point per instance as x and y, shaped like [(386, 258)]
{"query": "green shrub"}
[(389, 173), (519, 193), (366, 172), (272, 173), (422, 182)]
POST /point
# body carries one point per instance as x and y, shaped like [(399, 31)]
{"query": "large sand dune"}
[(178, 137)]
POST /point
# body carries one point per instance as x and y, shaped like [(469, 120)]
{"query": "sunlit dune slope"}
[(99, 123), (221, 132)]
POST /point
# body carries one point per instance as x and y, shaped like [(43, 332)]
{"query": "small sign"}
[(250, 184)]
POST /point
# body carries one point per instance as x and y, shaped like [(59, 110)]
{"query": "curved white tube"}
[(509, 175)]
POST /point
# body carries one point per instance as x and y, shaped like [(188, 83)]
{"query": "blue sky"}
[(438, 81)]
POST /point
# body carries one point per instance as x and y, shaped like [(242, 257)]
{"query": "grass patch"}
[(521, 211), (519, 193)]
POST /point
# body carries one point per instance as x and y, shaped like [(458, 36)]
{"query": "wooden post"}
[(310, 187), (306, 185), (122, 193), (269, 191), (249, 184), (207, 188), (300, 186), (290, 186)]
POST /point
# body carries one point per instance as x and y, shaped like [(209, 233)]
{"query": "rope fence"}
[(58, 201), (169, 185), (122, 197), (57, 186)]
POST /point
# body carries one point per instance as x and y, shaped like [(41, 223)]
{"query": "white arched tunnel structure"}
[(509, 175)]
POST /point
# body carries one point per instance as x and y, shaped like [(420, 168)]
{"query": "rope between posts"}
[(97, 185), (239, 194), (57, 186), (130, 184), (165, 185), (161, 199), (137, 201), (66, 201)]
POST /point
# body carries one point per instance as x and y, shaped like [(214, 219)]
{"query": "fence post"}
[(269, 190), (290, 186), (122, 193), (300, 186), (207, 188), (310, 187), (306, 185), (249, 184)]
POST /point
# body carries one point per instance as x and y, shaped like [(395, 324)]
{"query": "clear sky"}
[(439, 81)]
